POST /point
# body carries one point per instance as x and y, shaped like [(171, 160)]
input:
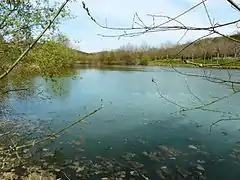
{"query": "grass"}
[(229, 63)]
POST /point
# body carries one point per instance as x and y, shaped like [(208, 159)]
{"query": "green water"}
[(135, 119)]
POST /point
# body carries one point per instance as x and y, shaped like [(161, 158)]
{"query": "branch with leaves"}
[(34, 42)]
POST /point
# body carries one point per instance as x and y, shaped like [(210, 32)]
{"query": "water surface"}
[(136, 119)]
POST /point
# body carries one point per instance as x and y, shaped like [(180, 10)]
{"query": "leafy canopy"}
[(21, 20)]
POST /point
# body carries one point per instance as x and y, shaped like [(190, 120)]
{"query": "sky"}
[(119, 13)]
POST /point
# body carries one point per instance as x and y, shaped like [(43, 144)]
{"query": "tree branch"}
[(6, 16), (234, 4), (34, 43), (54, 135), (220, 120)]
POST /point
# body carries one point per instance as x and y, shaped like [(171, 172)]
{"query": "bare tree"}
[(139, 27)]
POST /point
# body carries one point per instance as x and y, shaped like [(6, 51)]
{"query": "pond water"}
[(137, 125)]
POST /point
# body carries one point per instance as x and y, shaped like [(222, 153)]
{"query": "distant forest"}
[(218, 48)]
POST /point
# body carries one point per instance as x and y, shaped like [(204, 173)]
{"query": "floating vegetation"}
[(48, 162), (128, 156), (44, 162), (236, 154)]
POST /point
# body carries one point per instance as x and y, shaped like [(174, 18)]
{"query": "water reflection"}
[(137, 135)]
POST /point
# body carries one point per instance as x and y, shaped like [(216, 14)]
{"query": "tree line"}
[(55, 54), (218, 49)]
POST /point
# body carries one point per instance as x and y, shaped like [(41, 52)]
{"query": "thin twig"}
[(54, 135), (184, 34), (193, 42), (158, 27), (65, 175), (168, 17), (181, 14), (163, 97), (208, 15), (234, 4), (209, 103), (212, 79), (143, 24), (228, 37), (220, 120), (194, 95)]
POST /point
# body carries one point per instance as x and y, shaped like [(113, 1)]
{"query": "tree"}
[(111, 58), (102, 57), (144, 60), (61, 39), (127, 58), (51, 58), (21, 20)]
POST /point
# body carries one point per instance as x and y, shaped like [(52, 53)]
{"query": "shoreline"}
[(192, 66), (210, 66)]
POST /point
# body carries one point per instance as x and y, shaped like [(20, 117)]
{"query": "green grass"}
[(216, 63)]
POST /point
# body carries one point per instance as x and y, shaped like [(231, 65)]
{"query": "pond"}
[(139, 133)]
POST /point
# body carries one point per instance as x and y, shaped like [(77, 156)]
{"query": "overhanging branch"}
[(234, 4), (34, 43)]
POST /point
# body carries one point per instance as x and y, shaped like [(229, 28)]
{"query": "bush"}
[(144, 60), (127, 59)]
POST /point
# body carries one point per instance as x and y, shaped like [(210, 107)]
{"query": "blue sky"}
[(119, 13)]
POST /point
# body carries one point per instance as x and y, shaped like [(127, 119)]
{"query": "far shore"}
[(167, 63)]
